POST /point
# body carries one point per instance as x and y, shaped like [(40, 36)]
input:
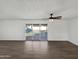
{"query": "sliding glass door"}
[(36, 32)]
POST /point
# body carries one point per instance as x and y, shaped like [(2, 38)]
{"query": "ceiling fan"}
[(51, 18)]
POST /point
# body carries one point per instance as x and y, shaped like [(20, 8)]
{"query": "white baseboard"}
[(57, 40), (73, 43), (12, 39)]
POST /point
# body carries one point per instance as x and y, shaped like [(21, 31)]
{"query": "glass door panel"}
[(29, 31), (36, 31), (43, 30)]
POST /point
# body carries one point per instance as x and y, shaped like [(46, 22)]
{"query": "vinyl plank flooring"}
[(38, 50)]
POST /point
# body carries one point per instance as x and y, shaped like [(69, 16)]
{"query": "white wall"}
[(73, 31), (11, 30), (58, 30), (15, 29)]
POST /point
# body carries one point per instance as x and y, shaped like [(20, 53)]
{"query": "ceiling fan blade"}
[(58, 17)]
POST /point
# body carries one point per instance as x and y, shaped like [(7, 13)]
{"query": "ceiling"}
[(36, 9)]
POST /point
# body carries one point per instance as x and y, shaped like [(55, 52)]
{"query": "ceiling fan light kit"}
[(51, 18)]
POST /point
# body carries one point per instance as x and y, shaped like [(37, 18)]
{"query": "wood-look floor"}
[(38, 50)]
